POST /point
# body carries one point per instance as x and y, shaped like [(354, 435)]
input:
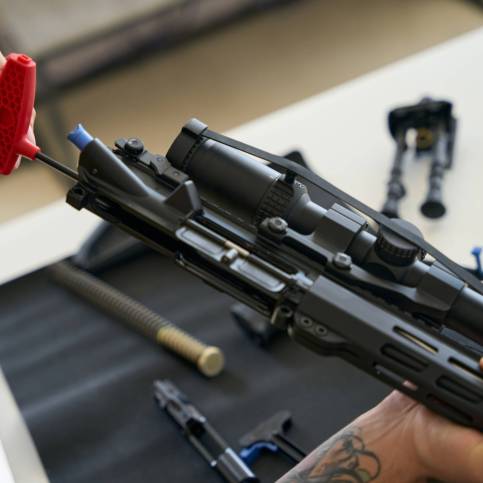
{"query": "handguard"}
[(17, 96)]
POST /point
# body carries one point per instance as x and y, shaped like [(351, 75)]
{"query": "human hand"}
[(417, 445), (399, 441), (31, 135)]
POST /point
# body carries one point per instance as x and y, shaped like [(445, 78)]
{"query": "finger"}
[(31, 138), (31, 135), (455, 454), (3, 61), (32, 119), (481, 363), (398, 403)]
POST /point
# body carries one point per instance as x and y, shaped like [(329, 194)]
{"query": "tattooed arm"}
[(343, 458), (399, 441)]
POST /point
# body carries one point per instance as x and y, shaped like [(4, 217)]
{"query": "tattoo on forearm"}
[(342, 459)]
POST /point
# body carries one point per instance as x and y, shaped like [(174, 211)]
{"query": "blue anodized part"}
[(80, 137), (476, 252), (250, 454)]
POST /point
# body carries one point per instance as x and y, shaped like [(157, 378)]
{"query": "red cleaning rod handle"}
[(17, 96)]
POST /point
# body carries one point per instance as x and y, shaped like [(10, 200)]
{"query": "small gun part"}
[(297, 157), (435, 128), (251, 454), (255, 325), (268, 435), (201, 434), (208, 359), (106, 247), (478, 271)]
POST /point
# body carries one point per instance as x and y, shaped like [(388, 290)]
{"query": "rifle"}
[(342, 280), (338, 286)]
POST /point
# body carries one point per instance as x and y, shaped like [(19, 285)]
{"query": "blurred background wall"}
[(126, 68)]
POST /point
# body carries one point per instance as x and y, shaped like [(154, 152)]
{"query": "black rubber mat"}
[(84, 382)]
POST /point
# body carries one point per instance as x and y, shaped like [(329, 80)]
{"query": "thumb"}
[(2, 60), (450, 452)]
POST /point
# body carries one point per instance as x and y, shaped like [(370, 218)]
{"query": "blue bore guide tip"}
[(80, 137)]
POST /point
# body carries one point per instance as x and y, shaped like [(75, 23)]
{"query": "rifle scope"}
[(249, 190)]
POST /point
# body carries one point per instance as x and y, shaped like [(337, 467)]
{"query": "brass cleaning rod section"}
[(208, 359)]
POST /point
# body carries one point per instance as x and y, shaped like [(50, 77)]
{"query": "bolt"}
[(342, 261), (285, 311), (277, 225), (321, 330), (229, 256), (134, 146), (306, 321)]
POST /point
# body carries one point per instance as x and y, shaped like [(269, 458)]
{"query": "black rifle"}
[(335, 283)]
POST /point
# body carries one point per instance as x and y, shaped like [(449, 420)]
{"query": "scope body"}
[(247, 190), (322, 273)]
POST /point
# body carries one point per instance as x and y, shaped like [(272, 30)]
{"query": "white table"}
[(343, 133)]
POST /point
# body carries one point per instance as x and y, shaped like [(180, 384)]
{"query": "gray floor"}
[(243, 71)]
